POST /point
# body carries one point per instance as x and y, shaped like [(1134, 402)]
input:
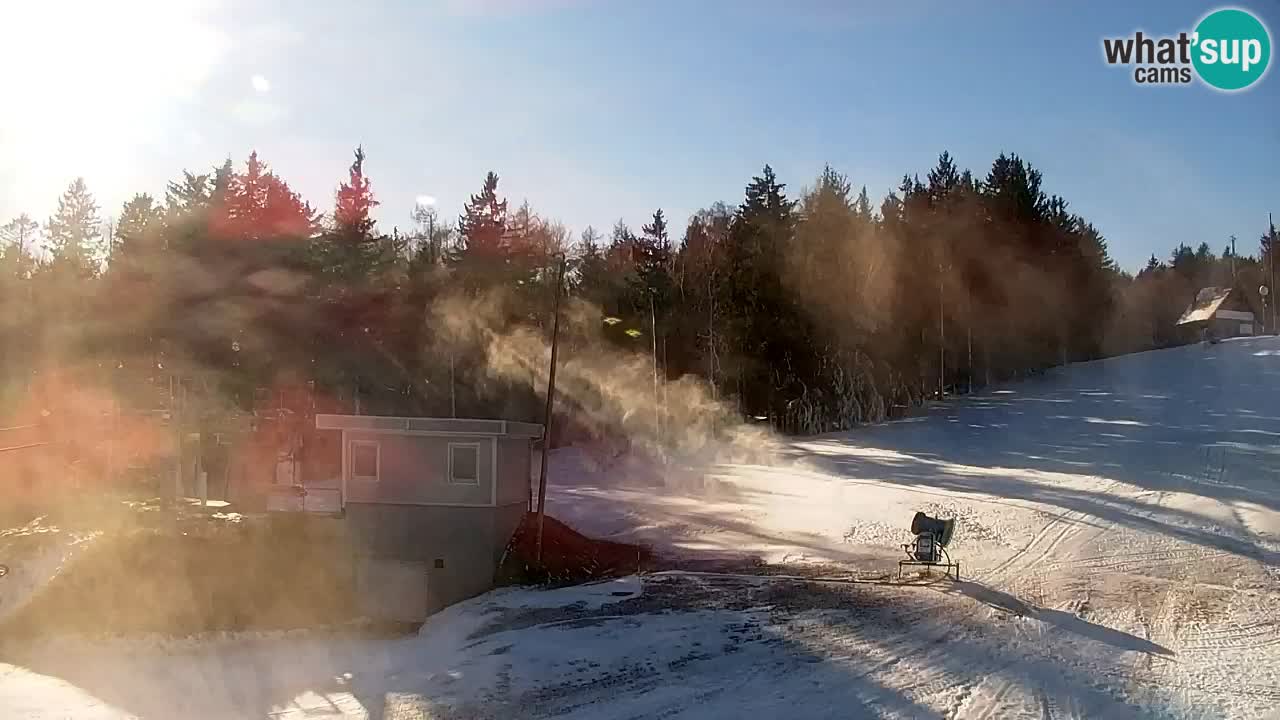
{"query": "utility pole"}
[(942, 336), (664, 369), (968, 336), (653, 331), (711, 334), (1233, 260), (175, 425), (1271, 229), (551, 393)]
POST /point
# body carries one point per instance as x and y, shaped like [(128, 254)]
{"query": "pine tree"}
[(74, 233), (590, 268), (260, 206), (624, 250), (701, 267), (137, 284), (18, 239), (821, 265), (652, 283), (137, 232), (191, 193), (232, 301), (17, 315), (20, 233), (483, 223), (1014, 188), (482, 258), (1021, 242), (943, 179), (351, 251), (767, 328), (220, 183), (862, 207), (355, 201)]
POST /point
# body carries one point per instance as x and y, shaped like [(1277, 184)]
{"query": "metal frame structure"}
[(926, 551)]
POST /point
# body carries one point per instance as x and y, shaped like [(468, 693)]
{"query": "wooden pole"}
[(1233, 260), (942, 337), (1271, 228), (175, 417), (653, 331), (969, 342), (664, 369), (711, 335), (546, 422), (453, 395)]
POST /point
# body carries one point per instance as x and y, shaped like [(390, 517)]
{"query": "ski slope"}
[(1119, 535)]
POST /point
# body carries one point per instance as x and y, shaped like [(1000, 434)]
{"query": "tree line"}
[(811, 310)]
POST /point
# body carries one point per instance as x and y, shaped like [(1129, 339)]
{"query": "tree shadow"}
[(1122, 419), (1172, 522), (1059, 619)]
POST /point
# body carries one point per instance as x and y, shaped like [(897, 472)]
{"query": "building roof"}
[(429, 426), (1208, 300)]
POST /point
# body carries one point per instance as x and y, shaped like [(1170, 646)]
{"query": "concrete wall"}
[(415, 469), (455, 547), (513, 471), (393, 590)]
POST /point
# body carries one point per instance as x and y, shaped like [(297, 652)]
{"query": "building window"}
[(464, 463), (366, 460)]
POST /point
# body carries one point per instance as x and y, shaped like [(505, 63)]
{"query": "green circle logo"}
[(1232, 49)]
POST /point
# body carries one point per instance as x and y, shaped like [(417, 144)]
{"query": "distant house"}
[(1224, 312), (429, 505)]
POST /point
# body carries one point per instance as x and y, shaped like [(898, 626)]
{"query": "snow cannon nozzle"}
[(941, 529)]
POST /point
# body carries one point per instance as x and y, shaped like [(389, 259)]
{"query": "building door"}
[(392, 590)]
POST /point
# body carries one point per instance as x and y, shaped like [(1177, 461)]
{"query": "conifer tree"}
[(74, 234)]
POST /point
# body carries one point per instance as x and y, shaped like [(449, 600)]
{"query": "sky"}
[(600, 110)]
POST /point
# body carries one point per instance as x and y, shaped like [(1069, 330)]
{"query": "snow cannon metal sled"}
[(929, 549)]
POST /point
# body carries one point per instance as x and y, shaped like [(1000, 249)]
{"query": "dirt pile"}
[(568, 556)]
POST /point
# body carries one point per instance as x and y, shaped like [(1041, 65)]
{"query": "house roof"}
[(1208, 300), (429, 426)]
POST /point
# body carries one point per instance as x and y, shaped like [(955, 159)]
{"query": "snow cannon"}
[(941, 529), (930, 545)]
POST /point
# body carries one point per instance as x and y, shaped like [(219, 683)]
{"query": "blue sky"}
[(596, 110)]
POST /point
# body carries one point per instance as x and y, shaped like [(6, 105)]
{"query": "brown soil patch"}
[(568, 556)]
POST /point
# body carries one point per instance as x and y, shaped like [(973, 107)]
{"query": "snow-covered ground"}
[(1119, 532)]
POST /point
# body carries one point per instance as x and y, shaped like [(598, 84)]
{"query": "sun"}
[(89, 82)]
